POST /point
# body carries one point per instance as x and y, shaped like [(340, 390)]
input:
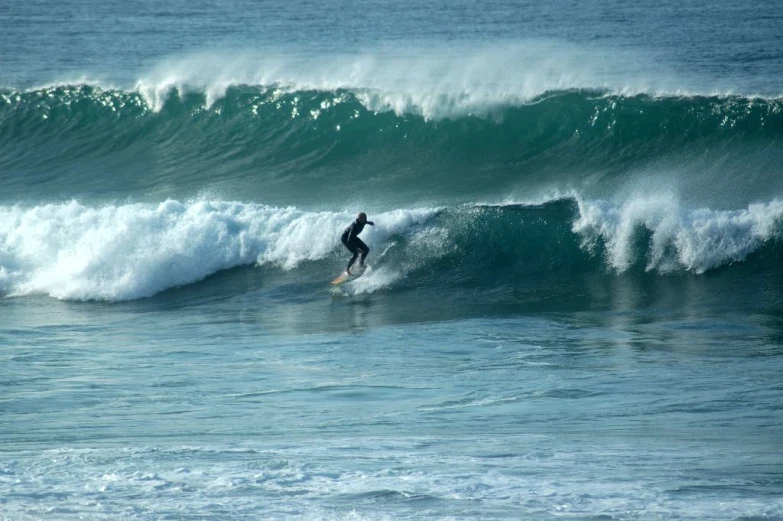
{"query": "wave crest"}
[(665, 237), (75, 252), (125, 252)]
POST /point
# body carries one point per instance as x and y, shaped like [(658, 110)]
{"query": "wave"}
[(658, 234), (72, 251), (124, 252), (85, 141)]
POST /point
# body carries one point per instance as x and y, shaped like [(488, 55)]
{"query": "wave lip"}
[(437, 82)]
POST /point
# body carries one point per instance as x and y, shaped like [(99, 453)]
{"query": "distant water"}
[(575, 303)]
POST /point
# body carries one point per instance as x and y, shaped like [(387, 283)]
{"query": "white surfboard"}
[(355, 274)]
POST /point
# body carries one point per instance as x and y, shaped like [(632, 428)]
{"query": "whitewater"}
[(573, 306), (114, 253)]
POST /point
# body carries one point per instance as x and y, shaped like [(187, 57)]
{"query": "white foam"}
[(123, 252), (324, 482), (435, 82), (374, 280), (694, 240)]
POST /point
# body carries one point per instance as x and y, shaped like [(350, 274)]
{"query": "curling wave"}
[(85, 141), (125, 252)]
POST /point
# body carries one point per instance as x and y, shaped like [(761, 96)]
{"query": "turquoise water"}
[(574, 304), (541, 417)]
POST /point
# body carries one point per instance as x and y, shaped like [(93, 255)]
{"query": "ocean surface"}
[(574, 307)]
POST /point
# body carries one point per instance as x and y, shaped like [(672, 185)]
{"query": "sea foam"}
[(680, 238), (73, 251), (124, 252)]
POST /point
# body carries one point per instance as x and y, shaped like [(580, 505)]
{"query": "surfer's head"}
[(362, 217)]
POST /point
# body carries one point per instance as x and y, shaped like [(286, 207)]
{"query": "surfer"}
[(353, 242)]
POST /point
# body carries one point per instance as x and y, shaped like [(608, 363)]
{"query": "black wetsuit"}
[(354, 243)]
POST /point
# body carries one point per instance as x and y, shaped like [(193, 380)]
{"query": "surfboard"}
[(344, 277)]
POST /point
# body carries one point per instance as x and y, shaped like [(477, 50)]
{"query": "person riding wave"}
[(354, 244)]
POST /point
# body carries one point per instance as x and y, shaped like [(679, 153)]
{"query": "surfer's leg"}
[(363, 248), (353, 259), (353, 249)]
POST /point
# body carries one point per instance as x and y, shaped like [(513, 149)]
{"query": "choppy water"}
[(574, 303)]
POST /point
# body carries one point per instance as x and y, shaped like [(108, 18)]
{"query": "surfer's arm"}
[(371, 223)]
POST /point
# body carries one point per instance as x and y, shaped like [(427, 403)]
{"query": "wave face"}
[(266, 143), (125, 252)]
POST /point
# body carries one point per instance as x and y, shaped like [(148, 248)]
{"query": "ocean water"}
[(574, 307)]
